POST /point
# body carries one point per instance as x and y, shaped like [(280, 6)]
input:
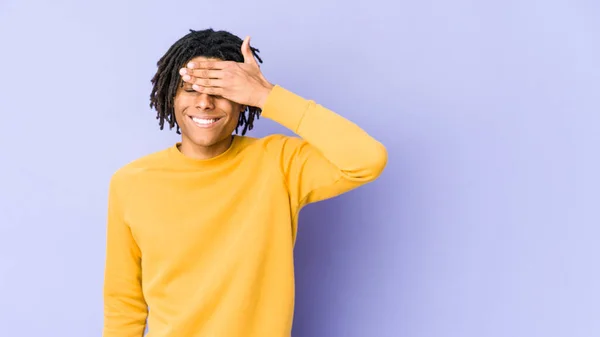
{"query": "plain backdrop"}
[(485, 222)]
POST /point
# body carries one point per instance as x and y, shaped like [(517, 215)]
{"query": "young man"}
[(200, 235)]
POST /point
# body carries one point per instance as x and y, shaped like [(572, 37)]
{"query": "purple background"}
[(485, 222)]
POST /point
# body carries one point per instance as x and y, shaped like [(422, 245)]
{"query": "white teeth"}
[(204, 121)]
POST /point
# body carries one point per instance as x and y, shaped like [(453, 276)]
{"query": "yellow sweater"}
[(205, 247)]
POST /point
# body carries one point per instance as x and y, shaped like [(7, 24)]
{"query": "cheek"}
[(180, 103), (232, 109), (178, 111), (234, 117)]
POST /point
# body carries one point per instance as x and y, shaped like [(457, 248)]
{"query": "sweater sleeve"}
[(332, 155), (125, 309)]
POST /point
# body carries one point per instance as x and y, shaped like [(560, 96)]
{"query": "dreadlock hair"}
[(207, 43)]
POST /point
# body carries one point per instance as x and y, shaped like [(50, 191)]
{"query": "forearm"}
[(125, 309), (342, 142)]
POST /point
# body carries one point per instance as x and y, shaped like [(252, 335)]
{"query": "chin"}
[(206, 138)]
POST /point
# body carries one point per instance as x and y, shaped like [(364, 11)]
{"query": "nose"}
[(205, 102)]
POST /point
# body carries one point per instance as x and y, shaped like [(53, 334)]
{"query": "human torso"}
[(216, 245)]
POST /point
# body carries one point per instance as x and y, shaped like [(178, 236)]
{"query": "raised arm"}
[(332, 156)]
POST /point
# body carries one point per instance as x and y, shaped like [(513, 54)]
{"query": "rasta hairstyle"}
[(207, 43)]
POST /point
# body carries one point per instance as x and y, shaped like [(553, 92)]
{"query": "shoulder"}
[(274, 143), (149, 162)]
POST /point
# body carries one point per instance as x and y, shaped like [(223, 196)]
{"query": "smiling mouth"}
[(204, 122)]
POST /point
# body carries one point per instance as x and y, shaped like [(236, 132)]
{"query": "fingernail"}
[(191, 65), (195, 87), (182, 71), (186, 77)]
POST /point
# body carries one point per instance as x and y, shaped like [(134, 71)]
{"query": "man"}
[(200, 235)]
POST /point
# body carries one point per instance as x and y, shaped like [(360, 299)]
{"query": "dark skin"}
[(215, 92)]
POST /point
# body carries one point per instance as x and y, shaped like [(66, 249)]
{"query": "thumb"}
[(247, 52)]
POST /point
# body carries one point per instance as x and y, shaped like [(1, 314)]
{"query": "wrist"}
[(265, 94)]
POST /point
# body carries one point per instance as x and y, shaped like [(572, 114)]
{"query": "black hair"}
[(207, 43)]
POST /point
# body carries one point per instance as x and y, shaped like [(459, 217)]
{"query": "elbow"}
[(373, 162), (377, 161)]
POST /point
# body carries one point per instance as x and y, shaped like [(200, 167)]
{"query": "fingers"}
[(247, 52), (201, 73), (204, 82), (213, 91)]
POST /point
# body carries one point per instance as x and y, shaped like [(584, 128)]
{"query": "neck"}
[(201, 152)]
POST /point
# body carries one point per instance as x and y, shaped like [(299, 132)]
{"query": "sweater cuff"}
[(285, 108)]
